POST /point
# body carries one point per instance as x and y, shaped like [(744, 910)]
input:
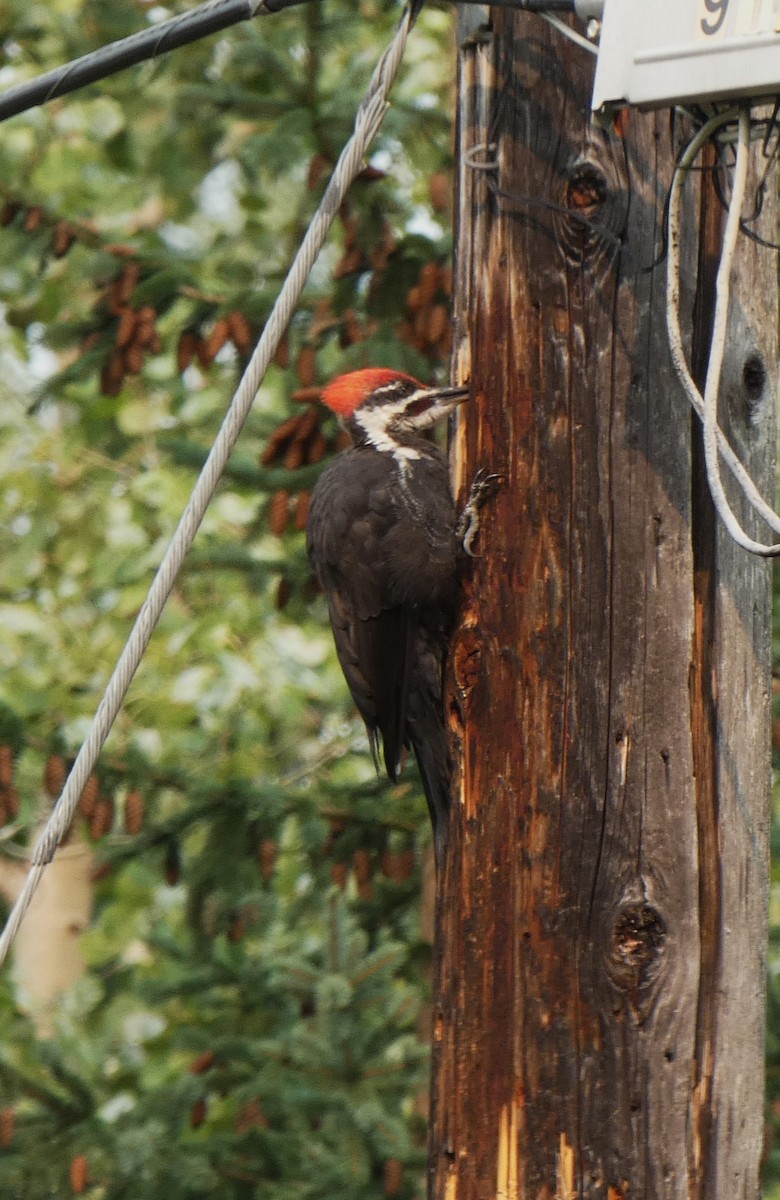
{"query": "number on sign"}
[(718, 9)]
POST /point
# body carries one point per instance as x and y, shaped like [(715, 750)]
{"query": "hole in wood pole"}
[(586, 189), (754, 375), (754, 380)]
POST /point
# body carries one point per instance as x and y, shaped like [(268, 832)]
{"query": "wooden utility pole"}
[(599, 1006)]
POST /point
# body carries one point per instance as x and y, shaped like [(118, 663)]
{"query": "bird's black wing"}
[(426, 731), (384, 548), (375, 654), (352, 514)]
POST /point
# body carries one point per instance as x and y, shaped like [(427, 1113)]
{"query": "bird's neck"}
[(404, 447)]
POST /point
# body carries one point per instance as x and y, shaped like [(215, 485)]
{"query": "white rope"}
[(706, 407), (367, 121)]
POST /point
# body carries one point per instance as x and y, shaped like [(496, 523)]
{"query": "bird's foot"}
[(484, 485)]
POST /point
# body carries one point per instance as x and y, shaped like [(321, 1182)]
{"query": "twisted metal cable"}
[(367, 121), (714, 437)]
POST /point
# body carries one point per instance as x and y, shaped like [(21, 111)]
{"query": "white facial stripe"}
[(409, 400), (397, 416), (438, 406), (373, 422)]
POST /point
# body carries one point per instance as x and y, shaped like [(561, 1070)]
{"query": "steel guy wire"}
[(367, 121)]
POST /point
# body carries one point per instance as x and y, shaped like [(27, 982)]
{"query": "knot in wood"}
[(593, 213), (638, 937), (586, 189)]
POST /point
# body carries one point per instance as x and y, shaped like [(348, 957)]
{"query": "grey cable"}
[(367, 121)]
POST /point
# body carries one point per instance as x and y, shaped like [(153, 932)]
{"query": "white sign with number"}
[(671, 51), (737, 18)]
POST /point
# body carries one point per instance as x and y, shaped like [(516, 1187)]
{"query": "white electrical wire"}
[(570, 33), (367, 121), (718, 345), (706, 407)]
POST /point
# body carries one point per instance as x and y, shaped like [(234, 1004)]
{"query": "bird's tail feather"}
[(427, 734), (434, 762)]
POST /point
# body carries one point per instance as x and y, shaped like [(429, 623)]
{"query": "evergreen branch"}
[(242, 469), (376, 964), (84, 1101), (47, 1095), (233, 98), (234, 558), (342, 814)]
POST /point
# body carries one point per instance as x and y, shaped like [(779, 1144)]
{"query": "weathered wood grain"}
[(602, 918)]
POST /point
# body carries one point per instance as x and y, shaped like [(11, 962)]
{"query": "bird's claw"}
[(484, 485)]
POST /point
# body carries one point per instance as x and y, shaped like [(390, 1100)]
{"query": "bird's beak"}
[(439, 401), (446, 400), (455, 395), (429, 405)]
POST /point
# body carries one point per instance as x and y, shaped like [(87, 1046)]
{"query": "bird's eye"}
[(417, 406)]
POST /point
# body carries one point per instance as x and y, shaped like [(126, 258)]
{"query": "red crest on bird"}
[(347, 392)]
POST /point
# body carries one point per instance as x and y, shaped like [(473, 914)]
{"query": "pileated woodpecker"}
[(385, 542)]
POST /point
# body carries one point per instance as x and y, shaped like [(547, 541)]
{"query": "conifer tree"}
[(247, 1022)]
